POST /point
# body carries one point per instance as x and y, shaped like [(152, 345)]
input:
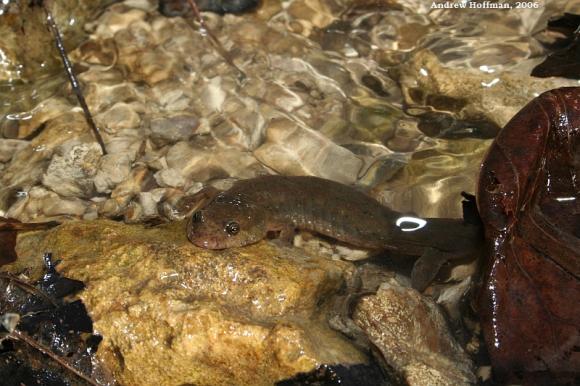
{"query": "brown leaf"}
[(529, 201)]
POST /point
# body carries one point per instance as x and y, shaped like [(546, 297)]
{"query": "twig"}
[(73, 79), (26, 226), (17, 335), (214, 40)]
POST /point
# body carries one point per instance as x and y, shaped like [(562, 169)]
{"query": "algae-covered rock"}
[(173, 314)]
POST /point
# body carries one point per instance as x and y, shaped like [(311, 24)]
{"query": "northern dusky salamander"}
[(250, 209)]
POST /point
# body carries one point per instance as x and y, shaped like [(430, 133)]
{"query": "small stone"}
[(91, 213), (53, 206), (154, 67), (169, 178), (292, 149), (44, 112), (117, 19), (241, 124), (119, 117), (476, 94), (112, 207), (148, 202), (171, 129), (134, 213), (201, 164), (8, 147), (172, 96), (170, 207), (72, 169), (316, 13), (113, 169), (40, 204), (101, 97), (213, 94), (283, 98), (451, 297), (127, 141), (140, 179)]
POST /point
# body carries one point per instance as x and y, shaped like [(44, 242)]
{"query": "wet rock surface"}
[(411, 333), (170, 313)]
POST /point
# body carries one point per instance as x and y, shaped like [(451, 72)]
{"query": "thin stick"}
[(73, 79), (217, 45), (26, 226), (17, 335)]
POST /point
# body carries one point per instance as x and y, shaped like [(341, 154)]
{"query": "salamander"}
[(251, 209)]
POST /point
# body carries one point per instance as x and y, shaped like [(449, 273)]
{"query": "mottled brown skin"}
[(282, 204), (529, 201)]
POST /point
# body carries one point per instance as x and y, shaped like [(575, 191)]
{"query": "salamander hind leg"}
[(427, 267)]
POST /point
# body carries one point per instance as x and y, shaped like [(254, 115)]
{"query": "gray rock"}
[(171, 129), (72, 169), (170, 178), (200, 164), (40, 204), (412, 334), (140, 179), (119, 117), (113, 169)]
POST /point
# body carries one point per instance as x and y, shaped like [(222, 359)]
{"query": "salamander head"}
[(228, 221)]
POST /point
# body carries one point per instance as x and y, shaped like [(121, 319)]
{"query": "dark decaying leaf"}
[(339, 375), (9, 228), (529, 201), (565, 60), (53, 341)]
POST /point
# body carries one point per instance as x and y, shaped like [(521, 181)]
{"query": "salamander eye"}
[(197, 217), (232, 228)]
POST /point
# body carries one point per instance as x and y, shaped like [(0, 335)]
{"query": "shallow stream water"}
[(374, 93)]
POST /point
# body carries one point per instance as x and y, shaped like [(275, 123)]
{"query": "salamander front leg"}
[(282, 234)]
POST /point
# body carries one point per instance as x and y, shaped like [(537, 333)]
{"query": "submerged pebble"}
[(170, 129), (196, 163), (8, 147), (42, 204), (170, 178), (113, 169), (72, 169), (293, 149)]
